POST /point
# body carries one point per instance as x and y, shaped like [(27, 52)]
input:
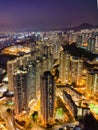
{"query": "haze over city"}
[(40, 15)]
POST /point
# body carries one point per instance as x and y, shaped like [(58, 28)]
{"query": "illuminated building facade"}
[(20, 81), (44, 63), (31, 80), (72, 37), (47, 61), (96, 43), (91, 44), (47, 97), (76, 70), (92, 82), (32, 46), (56, 49), (67, 68), (49, 58), (84, 37), (27, 58), (33, 49), (79, 41), (38, 74), (64, 70), (11, 67), (62, 66), (50, 61)]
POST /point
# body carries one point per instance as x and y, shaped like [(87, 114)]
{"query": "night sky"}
[(23, 15)]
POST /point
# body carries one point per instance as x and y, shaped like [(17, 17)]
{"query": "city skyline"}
[(40, 15), (49, 78)]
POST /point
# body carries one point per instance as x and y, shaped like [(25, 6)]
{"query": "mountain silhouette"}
[(80, 27)]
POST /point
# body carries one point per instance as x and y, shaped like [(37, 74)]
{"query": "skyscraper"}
[(44, 63), (32, 46), (79, 41), (56, 49), (47, 61), (20, 81), (76, 70), (32, 80), (47, 97), (11, 67), (64, 69), (96, 43), (33, 49), (38, 74), (92, 82), (91, 44)]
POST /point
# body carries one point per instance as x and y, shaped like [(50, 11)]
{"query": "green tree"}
[(34, 116)]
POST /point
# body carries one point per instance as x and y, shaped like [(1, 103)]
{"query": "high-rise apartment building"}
[(20, 81), (47, 97), (44, 63), (76, 70), (64, 69), (56, 49), (91, 44), (50, 61), (96, 43), (79, 41), (38, 74), (32, 46), (11, 67), (92, 82), (31, 80), (47, 59)]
